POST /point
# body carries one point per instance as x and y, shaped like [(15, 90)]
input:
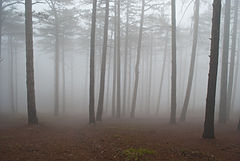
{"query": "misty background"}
[(74, 49)]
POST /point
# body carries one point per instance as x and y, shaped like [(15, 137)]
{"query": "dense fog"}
[(74, 31)]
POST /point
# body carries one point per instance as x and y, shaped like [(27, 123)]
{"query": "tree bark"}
[(212, 77), (134, 99), (232, 62), (174, 66), (192, 64), (92, 57), (224, 70), (103, 65), (31, 105)]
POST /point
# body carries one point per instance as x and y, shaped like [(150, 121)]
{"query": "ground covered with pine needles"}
[(71, 138)]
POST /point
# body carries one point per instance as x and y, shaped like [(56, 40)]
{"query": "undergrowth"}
[(133, 154)]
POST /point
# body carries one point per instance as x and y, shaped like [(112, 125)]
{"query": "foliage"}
[(133, 154)]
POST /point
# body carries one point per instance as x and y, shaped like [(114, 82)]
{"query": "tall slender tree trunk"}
[(56, 92), (63, 76), (134, 99), (118, 62), (16, 79), (10, 58), (192, 64), (72, 81), (224, 70), (129, 79), (174, 66), (150, 77), (232, 62), (162, 73), (212, 77), (114, 62), (108, 80), (236, 74), (103, 65), (31, 105), (126, 61), (92, 56)]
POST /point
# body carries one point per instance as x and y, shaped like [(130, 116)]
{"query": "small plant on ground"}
[(133, 154)]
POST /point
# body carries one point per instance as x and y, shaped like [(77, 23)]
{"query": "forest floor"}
[(70, 139)]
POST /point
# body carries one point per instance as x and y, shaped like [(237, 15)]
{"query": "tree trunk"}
[(114, 62), (162, 72), (92, 55), (103, 65), (192, 64), (10, 59), (108, 78), (16, 79), (129, 79), (126, 61), (174, 66), (232, 62), (63, 76), (236, 74), (134, 99), (150, 77), (118, 63), (224, 70), (31, 105), (212, 77), (56, 94)]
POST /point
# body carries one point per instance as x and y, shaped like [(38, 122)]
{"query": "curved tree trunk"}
[(103, 65), (212, 77), (192, 64), (134, 99)]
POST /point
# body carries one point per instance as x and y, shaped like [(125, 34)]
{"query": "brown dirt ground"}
[(73, 139)]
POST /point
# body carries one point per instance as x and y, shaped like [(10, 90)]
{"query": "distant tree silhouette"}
[(174, 66), (224, 70), (92, 56)]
